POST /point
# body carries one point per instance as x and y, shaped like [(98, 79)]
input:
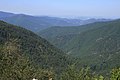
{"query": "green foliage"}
[(39, 51), (58, 35), (21, 60), (96, 45), (115, 74), (75, 74), (15, 66), (72, 73)]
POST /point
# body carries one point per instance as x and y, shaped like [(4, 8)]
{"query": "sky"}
[(63, 8)]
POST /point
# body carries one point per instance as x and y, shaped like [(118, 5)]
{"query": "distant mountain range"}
[(37, 23), (5, 14)]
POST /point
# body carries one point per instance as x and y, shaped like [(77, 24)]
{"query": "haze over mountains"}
[(37, 23)]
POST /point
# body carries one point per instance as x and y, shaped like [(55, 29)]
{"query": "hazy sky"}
[(100, 8)]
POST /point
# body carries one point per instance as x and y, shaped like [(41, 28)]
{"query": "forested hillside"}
[(26, 56), (97, 46), (39, 51), (60, 40), (16, 66), (61, 34)]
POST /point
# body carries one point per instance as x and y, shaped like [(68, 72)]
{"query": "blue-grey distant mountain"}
[(5, 14), (37, 23)]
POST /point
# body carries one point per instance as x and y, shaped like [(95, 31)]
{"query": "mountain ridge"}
[(37, 23)]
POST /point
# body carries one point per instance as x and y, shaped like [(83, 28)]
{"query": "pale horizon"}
[(63, 8)]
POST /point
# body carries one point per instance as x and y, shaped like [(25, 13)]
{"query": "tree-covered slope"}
[(15, 66), (73, 35), (98, 45), (101, 39), (59, 35), (39, 51)]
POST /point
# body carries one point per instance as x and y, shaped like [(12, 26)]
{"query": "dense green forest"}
[(96, 45), (24, 56), (15, 66), (57, 35), (39, 51)]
